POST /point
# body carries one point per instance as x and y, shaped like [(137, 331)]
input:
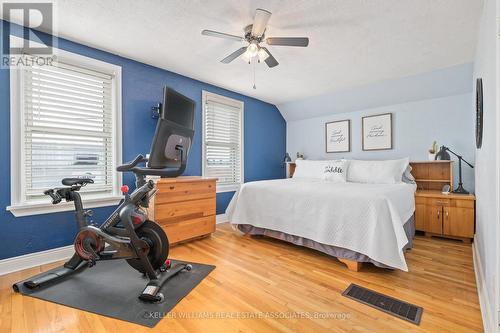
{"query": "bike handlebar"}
[(138, 195), (56, 198), (130, 165)]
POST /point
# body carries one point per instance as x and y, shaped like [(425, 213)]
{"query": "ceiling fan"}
[(254, 35)]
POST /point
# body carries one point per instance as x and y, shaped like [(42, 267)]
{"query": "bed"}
[(355, 222)]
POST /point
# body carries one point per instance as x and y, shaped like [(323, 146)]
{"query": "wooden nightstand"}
[(446, 215), (436, 214)]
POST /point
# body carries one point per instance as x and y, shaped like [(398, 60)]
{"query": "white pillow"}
[(335, 171), (407, 176), (309, 169), (377, 172)]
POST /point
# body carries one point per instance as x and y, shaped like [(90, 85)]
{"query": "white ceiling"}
[(352, 42)]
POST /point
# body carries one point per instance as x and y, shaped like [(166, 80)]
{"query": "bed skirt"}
[(333, 251)]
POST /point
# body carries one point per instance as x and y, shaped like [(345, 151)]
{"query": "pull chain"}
[(254, 86)]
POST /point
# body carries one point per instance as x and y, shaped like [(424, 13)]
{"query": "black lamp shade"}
[(443, 154)]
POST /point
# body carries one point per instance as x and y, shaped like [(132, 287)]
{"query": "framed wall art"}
[(479, 113), (338, 136), (377, 132)]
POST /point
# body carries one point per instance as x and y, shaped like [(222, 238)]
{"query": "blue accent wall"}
[(264, 139)]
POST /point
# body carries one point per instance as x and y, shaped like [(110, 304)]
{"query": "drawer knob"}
[(172, 187)]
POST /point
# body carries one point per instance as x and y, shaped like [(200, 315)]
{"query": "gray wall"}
[(447, 120), (487, 186)]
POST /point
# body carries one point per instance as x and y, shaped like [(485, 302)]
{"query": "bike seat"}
[(77, 181)]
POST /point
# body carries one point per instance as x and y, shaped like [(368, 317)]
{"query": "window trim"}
[(19, 206), (236, 103)]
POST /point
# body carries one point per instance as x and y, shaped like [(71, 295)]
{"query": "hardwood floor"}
[(255, 276)]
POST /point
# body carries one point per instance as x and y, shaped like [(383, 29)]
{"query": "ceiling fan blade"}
[(270, 60), (212, 33), (288, 41), (260, 22), (234, 55)]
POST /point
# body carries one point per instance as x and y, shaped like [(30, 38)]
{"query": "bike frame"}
[(124, 242)]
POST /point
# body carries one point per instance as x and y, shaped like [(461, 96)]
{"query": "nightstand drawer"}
[(420, 200), (464, 203), (439, 202), (444, 202)]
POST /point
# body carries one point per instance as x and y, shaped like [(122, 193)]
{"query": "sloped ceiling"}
[(455, 80)]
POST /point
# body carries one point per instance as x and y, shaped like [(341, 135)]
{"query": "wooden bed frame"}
[(417, 169)]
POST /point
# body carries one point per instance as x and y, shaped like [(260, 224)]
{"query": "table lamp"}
[(443, 155)]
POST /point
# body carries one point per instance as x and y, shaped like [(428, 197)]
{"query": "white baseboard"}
[(484, 297), (14, 264), (221, 218)]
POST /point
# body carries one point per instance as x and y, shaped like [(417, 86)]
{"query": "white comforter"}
[(366, 218)]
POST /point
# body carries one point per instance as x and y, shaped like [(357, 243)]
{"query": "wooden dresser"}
[(184, 207), (436, 214)]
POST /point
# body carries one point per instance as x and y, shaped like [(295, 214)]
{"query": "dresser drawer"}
[(181, 191), (174, 212), (180, 231)]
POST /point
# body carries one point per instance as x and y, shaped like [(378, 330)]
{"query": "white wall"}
[(487, 218), (447, 120)]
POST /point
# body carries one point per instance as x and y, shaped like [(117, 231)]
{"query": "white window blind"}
[(223, 139), (67, 127)]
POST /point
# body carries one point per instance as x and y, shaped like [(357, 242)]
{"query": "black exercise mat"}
[(111, 288)]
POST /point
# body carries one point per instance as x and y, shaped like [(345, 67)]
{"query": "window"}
[(65, 122), (223, 141)]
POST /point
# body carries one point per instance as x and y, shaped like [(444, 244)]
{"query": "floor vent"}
[(395, 307)]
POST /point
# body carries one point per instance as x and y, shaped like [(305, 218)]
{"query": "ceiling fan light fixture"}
[(252, 50), (262, 54), (246, 57), (254, 34)]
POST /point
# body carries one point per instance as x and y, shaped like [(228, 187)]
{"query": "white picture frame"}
[(377, 132), (338, 136)]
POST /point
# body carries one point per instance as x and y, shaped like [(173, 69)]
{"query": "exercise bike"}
[(128, 233)]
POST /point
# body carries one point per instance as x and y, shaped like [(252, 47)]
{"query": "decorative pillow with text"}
[(335, 171)]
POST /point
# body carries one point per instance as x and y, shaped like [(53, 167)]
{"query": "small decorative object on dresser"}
[(184, 207), (446, 189), (287, 158), (433, 151), (377, 132), (437, 214), (300, 156), (338, 136)]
